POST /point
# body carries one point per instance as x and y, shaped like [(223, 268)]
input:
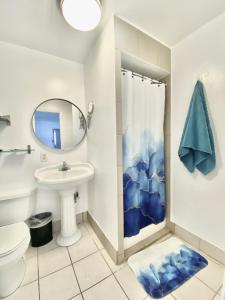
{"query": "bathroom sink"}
[(65, 179), (56, 179)]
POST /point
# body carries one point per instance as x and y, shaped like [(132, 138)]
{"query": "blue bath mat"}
[(164, 267)]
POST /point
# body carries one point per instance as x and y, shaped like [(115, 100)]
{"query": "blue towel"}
[(197, 145)]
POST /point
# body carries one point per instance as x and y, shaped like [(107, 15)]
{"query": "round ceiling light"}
[(83, 15)]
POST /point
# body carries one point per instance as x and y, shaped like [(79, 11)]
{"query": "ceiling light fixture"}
[(83, 15)]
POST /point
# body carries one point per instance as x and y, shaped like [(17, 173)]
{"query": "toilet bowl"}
[(15, 240), (15, 207)]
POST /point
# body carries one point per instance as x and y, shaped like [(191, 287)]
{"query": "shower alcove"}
[(132, 50), (127, 61)]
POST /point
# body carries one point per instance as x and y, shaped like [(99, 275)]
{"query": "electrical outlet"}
[(43, 157)]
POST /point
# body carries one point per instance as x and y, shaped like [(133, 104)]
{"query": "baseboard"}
[(120, 257), (56, 225), (113, 253), (170, 225), (200, 244), (146, 242)]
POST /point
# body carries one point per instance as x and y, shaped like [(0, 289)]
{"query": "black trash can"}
[(40, 229)]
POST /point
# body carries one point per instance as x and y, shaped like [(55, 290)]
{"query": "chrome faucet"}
[(64, 167)]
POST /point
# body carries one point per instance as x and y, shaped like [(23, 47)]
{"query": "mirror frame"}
[(59, 150)]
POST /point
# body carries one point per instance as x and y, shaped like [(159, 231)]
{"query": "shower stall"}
[(143, 102), (144, 105), (129, 198)]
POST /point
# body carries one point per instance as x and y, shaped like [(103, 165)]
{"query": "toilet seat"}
[(13, 237)]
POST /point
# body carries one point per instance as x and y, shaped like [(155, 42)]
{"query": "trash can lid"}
[(39, 220)]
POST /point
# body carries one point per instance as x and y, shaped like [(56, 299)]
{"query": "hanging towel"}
[(197, 145)]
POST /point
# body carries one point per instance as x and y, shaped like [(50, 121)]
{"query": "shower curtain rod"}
[(143, 77)]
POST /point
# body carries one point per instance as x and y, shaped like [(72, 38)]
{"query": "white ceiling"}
[(169, 21), (38, 24)]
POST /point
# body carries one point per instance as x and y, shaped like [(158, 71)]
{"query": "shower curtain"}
[(143, 153)]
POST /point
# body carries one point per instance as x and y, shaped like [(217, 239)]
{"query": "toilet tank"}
[(16, 205)]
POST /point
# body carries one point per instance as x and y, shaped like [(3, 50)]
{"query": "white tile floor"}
[(85, 271)]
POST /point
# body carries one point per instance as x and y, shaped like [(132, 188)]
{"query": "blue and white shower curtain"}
[(143, 153)]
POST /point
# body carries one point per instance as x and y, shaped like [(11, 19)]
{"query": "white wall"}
[(100, 88), (198, 202), (27, 78), (152, 55)]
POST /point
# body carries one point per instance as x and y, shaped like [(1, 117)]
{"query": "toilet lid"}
[(11, 236)]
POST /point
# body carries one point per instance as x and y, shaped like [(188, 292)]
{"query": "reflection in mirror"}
[(59, 124)]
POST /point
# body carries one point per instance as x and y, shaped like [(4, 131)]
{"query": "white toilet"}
[(15, 207)]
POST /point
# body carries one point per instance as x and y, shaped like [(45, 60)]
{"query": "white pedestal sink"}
[(65, 183)]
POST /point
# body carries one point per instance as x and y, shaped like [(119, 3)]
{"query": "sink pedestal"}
[(69, 234), (66, 183)]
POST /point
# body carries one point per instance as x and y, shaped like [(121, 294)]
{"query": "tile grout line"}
[(202, 252), (120, 286), (217, 293), (57, 246), (86, 227), (84, 257), (96, 283), (99, 249), (47, 251), (68, 265), (114, 274), (71, 264), (55, 271), (212, 259), (213, 297), (75, 273), (39, 290), (96, 245), (206, 284), (219, 288), (30, 282), (91, 234)]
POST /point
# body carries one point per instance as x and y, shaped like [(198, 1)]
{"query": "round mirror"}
[(59, 124)]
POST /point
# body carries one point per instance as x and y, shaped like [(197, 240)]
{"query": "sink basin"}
[(54, 179), (66, 183)]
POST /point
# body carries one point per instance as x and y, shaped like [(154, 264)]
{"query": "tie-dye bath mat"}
[(164, 267)]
